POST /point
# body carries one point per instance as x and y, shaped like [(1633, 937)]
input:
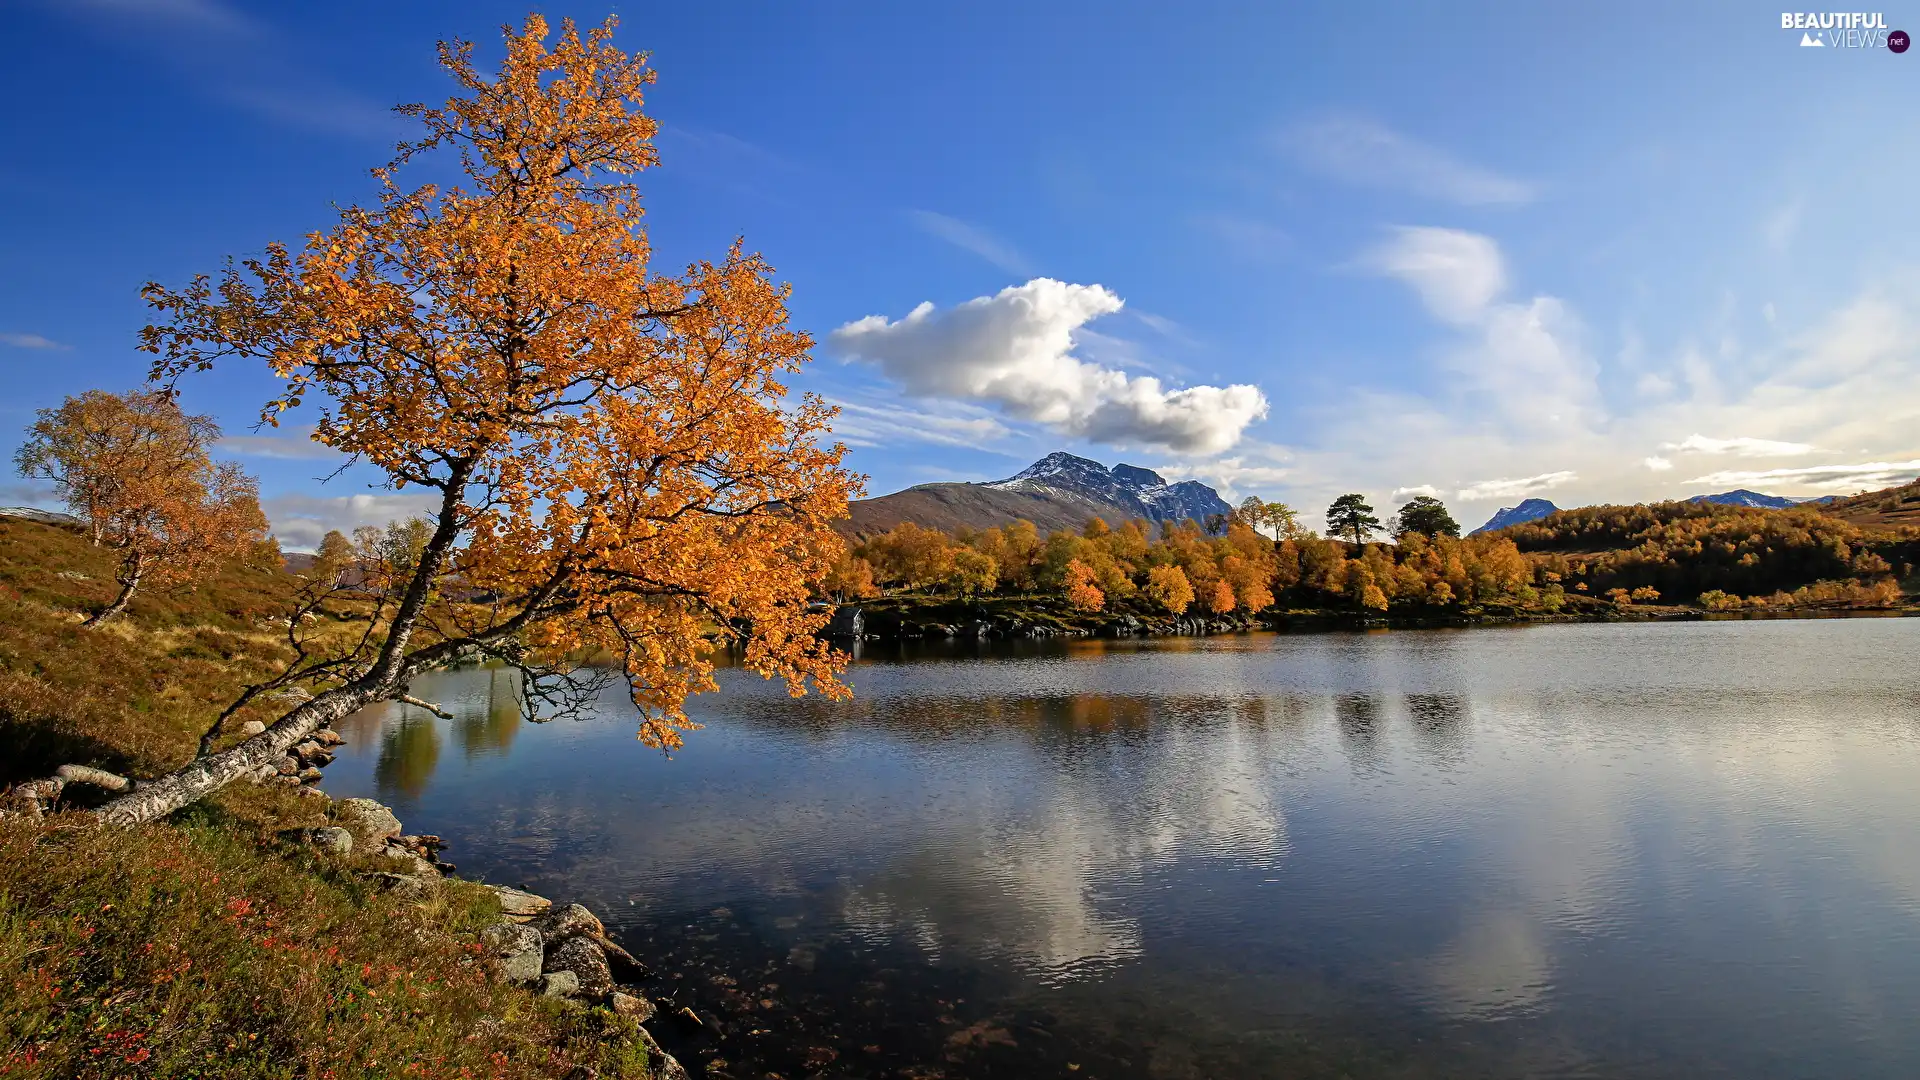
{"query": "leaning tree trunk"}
[(129, 581), (211, 773)]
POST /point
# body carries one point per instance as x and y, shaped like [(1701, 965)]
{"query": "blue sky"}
[(1588, 252)]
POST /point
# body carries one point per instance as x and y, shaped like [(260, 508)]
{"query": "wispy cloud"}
[(1514, 488), (1406, 494), (892, 425), (1740, 446), (1363, 151), (237, 58), (295, 445), (973, 239), (31, 341), (1867, 475)]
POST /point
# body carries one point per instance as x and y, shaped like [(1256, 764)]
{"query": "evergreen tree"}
[(1352, 519), (1426, 515)]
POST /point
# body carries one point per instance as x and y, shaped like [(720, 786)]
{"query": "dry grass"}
[(209, 945)]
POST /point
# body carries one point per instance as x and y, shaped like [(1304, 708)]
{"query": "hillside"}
[(1888, 508), (1060, 491)]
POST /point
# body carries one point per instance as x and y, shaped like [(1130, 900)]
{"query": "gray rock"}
[(333, 841), (410, 863), (287, 767), (632, 1006), (520, 950), (309, 775), (252, 728), (370, 823), (568, 922), (560, 984), (520, 905), (587, 961), (409, 886)]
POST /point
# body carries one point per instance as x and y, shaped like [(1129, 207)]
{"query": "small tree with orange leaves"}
[(136, 470), (1083, 592), (615, 466)]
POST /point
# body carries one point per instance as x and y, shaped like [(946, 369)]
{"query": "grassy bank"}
[(219, 943)]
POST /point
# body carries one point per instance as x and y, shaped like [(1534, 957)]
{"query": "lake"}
[(1586, 850)]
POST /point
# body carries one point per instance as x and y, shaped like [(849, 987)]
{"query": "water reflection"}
[(1653, 850)]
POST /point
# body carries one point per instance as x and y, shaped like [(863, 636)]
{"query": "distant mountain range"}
[(1530, 510), (1060, 491)]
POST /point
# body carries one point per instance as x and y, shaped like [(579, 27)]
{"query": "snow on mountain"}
[(1139, 492), (1743, 497), (1530, 510)]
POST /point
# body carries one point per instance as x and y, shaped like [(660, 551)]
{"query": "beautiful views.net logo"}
[(1845, 30)]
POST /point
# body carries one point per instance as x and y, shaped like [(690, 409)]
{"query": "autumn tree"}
[(1081, 588), (1352, 519), (1274, 519), (850, 577), (1219, 596), (1168, 587), (1425, 515), (611, 454), (136, 470)]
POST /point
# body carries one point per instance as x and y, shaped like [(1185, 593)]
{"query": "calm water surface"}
[(1671, 850)]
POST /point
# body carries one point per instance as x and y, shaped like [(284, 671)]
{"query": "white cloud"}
[(1523, 359), (299, 521), (1740, 446), (1456, 273), (1235, 477), (1515, 488), (297, 445), (888, 425), (1407, 494), (1866, 475), (973, 239), (1657, 464), (1363, 151), (1015, 351), (31, 341)]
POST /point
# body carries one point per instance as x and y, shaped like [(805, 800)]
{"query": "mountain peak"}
[(1743, 497), (1528, 510), (1129, 489)]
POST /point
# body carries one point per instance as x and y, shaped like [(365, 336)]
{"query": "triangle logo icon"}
[(1809, 41)]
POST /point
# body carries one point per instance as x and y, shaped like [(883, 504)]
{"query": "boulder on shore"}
[(520, 906), (333, 841), (371, 823), (560, 984), (520, 950), (587, 961), (252, 728), (570, 921)]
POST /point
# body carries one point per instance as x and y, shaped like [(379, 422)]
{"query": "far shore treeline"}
[(1259, 560)]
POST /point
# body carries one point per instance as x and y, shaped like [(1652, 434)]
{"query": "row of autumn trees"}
[(1720, 557), (1258, 559)]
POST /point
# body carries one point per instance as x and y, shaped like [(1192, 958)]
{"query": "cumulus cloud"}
[(1407, 494), (1657, 464), (1015, 351), (1867, 475), (31, 341), (1740, 446), (299, 521), (1515, 488), (1363, 151), (971, 238)]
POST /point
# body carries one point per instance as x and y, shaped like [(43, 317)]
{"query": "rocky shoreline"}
[(559, 951)]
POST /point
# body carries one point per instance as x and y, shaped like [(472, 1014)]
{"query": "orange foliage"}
[(615, 466), (1081, 590), (136, 471)]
